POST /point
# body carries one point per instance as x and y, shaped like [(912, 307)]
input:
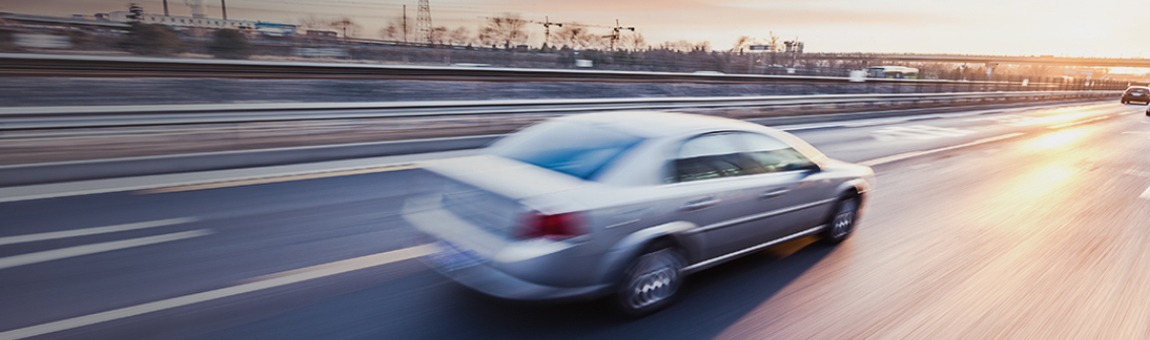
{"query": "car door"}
[(706, 188), (790, 193)]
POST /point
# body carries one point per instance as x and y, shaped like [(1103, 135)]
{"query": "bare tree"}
[(774, 46), (773, 41), (579, 38), (702, 46), (633, 42), (686, 46), (346, 25), (460, 36), (313, 21), (438, 35), (742, 42), (507, 29), (395, 30)]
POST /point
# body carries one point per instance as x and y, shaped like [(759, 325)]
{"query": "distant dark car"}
[(1136, 94)]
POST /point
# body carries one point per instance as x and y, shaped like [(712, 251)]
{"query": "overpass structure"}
[(990, 60)]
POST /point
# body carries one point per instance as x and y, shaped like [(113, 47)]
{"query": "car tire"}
[(651, 281), (842, 223), (1123, 102)]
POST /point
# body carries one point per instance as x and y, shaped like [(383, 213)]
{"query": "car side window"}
[(710, 156), (773, 155)]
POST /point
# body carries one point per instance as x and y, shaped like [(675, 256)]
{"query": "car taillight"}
[(552, 227)]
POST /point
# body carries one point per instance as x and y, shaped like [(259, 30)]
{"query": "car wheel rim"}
[(844, 220), (655, 278)]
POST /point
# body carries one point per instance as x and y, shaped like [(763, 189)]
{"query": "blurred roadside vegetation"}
[(501, 42), (153, 40), (230, 44)]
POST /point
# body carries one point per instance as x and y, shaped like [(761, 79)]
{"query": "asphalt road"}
[(1020, 225)]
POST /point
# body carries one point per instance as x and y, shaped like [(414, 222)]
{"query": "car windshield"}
[(576, 149)]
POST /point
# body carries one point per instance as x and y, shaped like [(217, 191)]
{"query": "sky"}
[(1101, 28)]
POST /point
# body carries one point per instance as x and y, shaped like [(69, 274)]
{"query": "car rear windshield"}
[(577, 149), (1137, 90)]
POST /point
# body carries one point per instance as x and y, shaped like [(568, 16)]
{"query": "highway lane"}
[(980, 240)]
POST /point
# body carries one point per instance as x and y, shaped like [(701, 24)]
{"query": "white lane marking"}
[(358, 262), (272, 282), (121, 188), (1136, 173), (63, 253), (1128, 113), (257, 181), (879, 121), (93, 231), (1012, 120), (1059, 126), (911, 154), (101, 186), (917, 132), (1145, 194)]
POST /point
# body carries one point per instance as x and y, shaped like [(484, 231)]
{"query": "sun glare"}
[(1057, 139)]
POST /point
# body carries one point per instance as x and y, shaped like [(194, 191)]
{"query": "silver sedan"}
[(627, 204)]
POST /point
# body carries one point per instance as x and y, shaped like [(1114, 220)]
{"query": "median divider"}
[(42, 118)]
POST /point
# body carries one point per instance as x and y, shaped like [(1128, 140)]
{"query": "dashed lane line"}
[(63, 253), (229, 184), (902, 156), (272, 281), (93, 231)]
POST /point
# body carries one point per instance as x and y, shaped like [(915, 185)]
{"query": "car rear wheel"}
[(842, 223), (651, 282)]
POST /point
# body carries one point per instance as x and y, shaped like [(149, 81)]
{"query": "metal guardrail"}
[(982, 58), (48, 65), (30, 118)]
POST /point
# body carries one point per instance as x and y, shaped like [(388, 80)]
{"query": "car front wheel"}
[(842, 224), (650, 282)]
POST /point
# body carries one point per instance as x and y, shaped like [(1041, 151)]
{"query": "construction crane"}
[(615, 32), (547, 23), (547, 30)]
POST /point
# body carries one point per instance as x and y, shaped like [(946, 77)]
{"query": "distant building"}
[(58, 22), (192, 22)]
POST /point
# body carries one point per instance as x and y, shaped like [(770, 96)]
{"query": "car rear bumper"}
[(465, 257), (493, 282)]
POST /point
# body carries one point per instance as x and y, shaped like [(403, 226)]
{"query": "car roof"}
[(654, 124)]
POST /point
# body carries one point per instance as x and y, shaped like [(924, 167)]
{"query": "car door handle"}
[(700, 204), (774, 193)]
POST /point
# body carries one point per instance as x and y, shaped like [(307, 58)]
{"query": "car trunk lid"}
[(492, 192)]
